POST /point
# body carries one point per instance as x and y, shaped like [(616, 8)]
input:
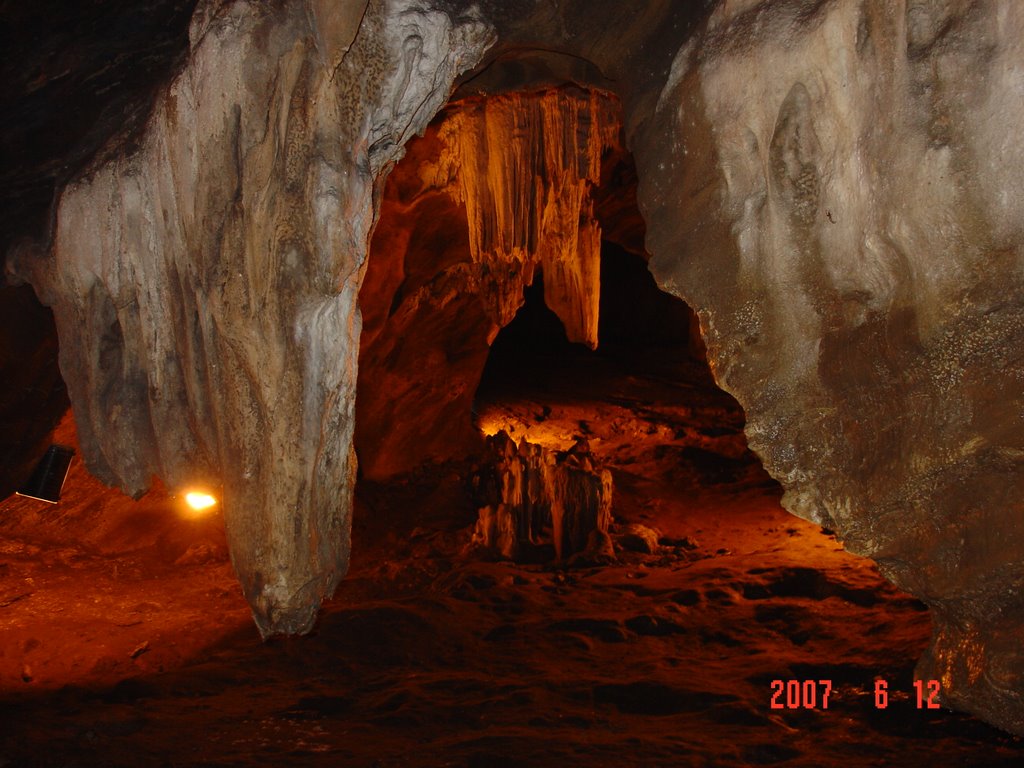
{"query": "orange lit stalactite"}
[(523, 165)]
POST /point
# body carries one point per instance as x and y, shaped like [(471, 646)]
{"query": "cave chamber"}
[(401, 285)]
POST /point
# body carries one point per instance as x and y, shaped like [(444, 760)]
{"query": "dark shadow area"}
[(636, 314), (32, 395), (530, 345), (639, 325), (75, 76)]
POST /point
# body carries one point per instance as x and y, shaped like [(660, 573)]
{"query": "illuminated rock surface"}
[(496, 192), (205, 283), (841, 201), (531, 495)]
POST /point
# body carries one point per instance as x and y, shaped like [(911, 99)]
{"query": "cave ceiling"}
[(77, 76)]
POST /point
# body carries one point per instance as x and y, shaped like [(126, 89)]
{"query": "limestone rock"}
[(837, 189), (204, 284), (532, 494), (638, 538)]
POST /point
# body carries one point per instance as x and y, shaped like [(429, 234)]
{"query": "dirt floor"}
[(124, 639)]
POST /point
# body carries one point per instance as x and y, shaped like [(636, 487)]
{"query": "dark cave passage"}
[(637, 321), (643, 403)]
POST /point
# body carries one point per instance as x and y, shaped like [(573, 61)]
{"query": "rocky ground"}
[(124, 639)]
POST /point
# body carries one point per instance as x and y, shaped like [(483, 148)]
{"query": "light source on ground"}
[(200, 502)]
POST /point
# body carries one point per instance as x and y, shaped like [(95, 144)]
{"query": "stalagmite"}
[(204, 283), (531, 493)]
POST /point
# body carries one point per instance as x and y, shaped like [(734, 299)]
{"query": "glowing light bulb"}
[(199, 501)]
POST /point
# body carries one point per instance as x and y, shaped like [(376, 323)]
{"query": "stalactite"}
[(523, 167), (204, 281)]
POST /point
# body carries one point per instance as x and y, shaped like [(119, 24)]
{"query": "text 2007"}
[(800, 694)]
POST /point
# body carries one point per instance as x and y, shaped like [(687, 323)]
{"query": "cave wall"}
[(204, 282), (836, 188)]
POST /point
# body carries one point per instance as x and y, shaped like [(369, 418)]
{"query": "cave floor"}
[(124, 639)]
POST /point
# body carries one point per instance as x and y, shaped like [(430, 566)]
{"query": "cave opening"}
[(637, 321), (554, 344), (642, 404)]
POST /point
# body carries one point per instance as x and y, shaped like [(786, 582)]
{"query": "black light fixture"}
[(48, 477)]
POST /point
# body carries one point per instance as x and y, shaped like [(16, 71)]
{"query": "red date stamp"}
[(814, 694), (800, 694), (927, 694)]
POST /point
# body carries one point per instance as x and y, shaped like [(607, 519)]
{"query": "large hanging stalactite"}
[(204, 285), (523, 167)]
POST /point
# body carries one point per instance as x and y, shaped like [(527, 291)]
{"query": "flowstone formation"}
[(531, 495), (837, 189), (204, 283), (497, 191)]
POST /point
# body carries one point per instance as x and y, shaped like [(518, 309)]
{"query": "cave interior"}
[(563, 549)]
